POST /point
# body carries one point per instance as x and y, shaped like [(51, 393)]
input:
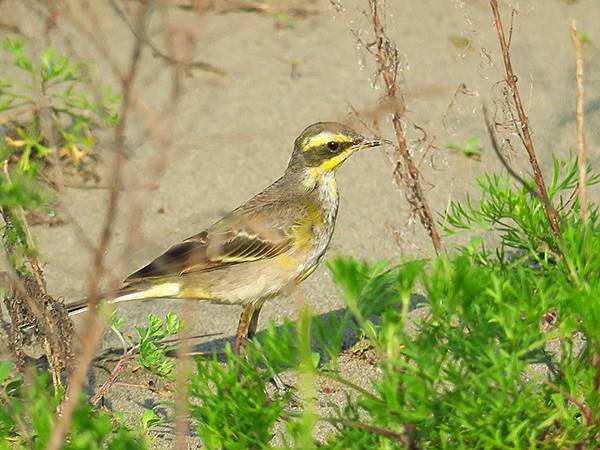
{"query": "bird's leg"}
[(246, 327), (243, 329), (277, 382), (254, 322)]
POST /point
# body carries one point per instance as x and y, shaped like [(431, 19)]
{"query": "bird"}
[(263, 248)]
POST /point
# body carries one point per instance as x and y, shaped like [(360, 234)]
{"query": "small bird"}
[(264, 247)]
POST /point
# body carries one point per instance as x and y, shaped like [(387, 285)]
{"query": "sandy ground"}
[(233, 135)]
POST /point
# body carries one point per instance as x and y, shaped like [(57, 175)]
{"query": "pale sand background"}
[(234, 134)]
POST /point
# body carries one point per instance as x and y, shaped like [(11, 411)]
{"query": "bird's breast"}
[(319, 226)]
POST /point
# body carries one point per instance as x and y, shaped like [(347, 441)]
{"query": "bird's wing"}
[(240, 237)]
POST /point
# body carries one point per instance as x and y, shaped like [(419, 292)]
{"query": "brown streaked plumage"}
[(264, 247)]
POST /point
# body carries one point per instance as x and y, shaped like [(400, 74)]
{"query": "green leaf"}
[(150, 420), (5, 369)]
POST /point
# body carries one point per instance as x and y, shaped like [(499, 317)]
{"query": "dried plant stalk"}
[(132, 100), (94, 324), (103, 389), (29, 305), (580, 121), (522, 125), (405, 172), (181, 381)]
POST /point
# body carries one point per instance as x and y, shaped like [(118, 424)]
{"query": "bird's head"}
[(324, 146)]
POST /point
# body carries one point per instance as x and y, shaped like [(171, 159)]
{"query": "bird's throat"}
[(323, 180)]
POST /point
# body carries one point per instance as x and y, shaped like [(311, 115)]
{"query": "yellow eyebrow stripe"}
[(323, 138)]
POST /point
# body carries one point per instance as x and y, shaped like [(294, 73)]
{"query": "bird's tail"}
[(129, 293)]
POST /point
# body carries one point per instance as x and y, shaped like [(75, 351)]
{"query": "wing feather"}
[(261, 228), (217, 247)]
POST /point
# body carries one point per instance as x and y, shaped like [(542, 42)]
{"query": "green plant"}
[(50, 110), (152, 353), (507, 356), (471, 149), (229, 402), (28, 410), (49, 113), (485, 369), (517, 216)]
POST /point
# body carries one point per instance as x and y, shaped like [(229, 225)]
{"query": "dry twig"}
[(586, 411), (522, 124), (580, 116), (187, 65), (405, 171), (102, 390), (95, 324)]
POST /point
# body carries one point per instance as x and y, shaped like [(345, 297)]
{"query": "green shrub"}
[(51, 87), (485, 369), (28, 412), (229, 402), (51, 111)]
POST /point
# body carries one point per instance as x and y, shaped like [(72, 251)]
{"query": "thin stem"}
[(405, 172), (405, 437), (505, 163), (580, 116), (94, 323), (334, 376), (523, 122), (113, 375), (585, 410)]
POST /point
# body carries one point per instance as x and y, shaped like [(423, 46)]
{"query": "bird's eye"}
[(333, 146)]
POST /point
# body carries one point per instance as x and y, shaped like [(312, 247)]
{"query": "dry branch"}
[(586, 411), (28, 303), (405, 171), (181, 379), (102, 390), (94, 325), (132, 100), (580, 116), (522, 124), (188, 66)]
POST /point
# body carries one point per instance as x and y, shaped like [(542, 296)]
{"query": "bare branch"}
[(523, 122), (405, 172), (102, 390), (580, 116), (585, 410), (188, 66), (94, 325)]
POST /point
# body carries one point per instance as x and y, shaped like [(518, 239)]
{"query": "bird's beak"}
[(368, 142)]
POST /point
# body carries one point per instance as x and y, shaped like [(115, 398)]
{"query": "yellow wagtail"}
[(264, 247)]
